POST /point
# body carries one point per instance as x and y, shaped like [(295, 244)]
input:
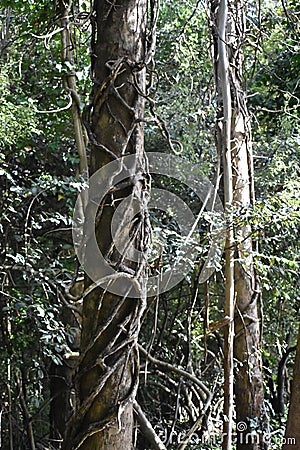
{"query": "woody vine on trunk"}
[(122, 46)]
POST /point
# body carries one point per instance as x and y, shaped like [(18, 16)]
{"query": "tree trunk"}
[(61, 376), (109, 365), (224, 148), (248, 376), (69, 82), (247, 351), (292, 433)]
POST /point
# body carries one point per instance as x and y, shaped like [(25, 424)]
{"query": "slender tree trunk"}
[(63, 398), (69, 81), (109, 365), (247, 346), (61, 376), (229, 37), (292, 433), (224, 148)]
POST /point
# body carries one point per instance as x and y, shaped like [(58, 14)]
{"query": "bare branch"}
[(147, 429), (171, 368)]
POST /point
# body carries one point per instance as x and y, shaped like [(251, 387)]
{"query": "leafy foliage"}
[(39, 183)]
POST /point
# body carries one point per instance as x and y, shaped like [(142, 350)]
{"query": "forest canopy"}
[(209, 356)]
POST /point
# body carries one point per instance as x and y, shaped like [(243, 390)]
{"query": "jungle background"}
[(41, 176)]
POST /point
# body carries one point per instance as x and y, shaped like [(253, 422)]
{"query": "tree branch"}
[(171, 368), (147, 429)]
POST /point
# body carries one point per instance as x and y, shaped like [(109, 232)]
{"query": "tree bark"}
[(247, 352), (247, 345), (69, 81), (224, 148), (292, 432), (109, 365), (61, 376)]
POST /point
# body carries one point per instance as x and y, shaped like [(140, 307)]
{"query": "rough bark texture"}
[(108, 372), (249, 383), (248, 375), (292, 433), (249, 380)]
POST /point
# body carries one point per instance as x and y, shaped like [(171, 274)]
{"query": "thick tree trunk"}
[(292, 433), (248, 376), (108, 371)]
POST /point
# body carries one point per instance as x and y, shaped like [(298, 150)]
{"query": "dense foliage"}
[(39, 181)]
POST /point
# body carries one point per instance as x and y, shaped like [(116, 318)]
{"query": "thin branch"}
[(170, 368), (53, 111), (147, 429)]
